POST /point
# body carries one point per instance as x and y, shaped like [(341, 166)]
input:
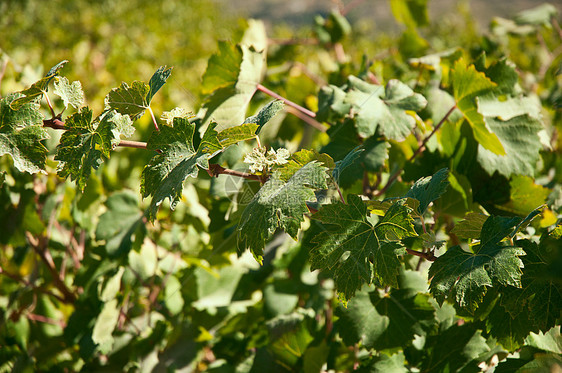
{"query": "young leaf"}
[(471, 226), (234, 135), (463, 277), (428, 189), (21, 132), (135, 99), (231, 78), (265, 114), (279, 204), (373, 250), (37, 89), (86, 143), (164, 175), (71, 94), (383, 110), (468, 83)]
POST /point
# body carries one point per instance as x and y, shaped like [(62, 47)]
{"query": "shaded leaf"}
[(265, 114), (355, 251), (470, 227), (464, 277), (279, 204), (164, 175), (428, 189)]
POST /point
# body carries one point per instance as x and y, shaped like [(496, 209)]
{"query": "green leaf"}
[(525, 196), (231, 78), (289, 338), (86, 143), (428, 189), (521, 143), (333, 29), (411, 13), (164, 175), (468, 83), (279, 204), (382, 322), (383, 111), (538, 16), (454, 349), (300, 159), (37, 89), (373, 250), (541, 293), (21, 133), (234, 135), (104, 326), (265, 114), (135, 99), (119, 223), (471, 226), (347, 161), (463, 277), (71, 94), (127, 100), (157, 80), (375, 155), (172, 295)]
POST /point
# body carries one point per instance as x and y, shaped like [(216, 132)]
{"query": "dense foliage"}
[(334, 203)]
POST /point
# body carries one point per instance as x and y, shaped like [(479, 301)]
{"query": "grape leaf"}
[(410, 13), (232, 76), (135, 99), (428, 189), (349, 231), (70, 93), (265, 114), (164, 175), (300, 159), (104, 326), (541, 293), (21, 132), (37, 89), (119, 223), (471, 226), (388, 321), (157, 80), (86, 143), (468, 83), (463, 277), (521, 143), (279, 204), (538, 16), (236, 134), (347, 161), (383, 110)]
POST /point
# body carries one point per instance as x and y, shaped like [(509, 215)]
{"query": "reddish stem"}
[(215, 170), (286, 101), (427, 256)]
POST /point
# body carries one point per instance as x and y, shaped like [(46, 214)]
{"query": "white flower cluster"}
[(259, 160)]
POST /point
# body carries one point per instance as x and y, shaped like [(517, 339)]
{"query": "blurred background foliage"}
[(189, 303)]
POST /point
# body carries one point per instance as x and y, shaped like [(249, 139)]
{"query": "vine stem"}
[(153, 118), (420, 149), (287, 102), (215, 170), (352, 4), (38, 246), (49, 104), (308, 120), (427, 256)]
